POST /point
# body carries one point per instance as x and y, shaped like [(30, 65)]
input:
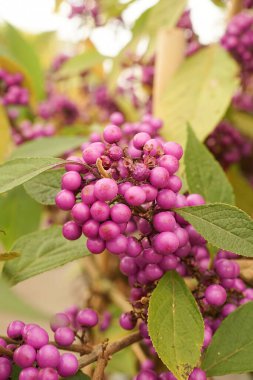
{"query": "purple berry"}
[(48, 374), (127, 321), (48, 356), (95, 246), (87, 318), (15, 329), (109, 230), (80, 213), (120, 213), (65, 200), (64, 336), (71, 230), (100, 211), (71, 181), (215, 295), (68, 365), (112, 133), (36, 337), (106, 189), (24, 356), (166, 243), (135, 196), (59, 320), (29, 373), (5, 368)]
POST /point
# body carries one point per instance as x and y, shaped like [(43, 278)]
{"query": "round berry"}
[(127, 321), (80, 213), (159, 177), (91, 228), (100, 211), (71, 230), (109, 230), (87, 318), (59, 320), (166, 243), (24, 356), (48, 374), (5, 368), (215, 295), (164, 221), (64, 336), (65, 200), (15, 329), (68, 365), (118, 245), (48, 356), (120, 213), (95, 246), (135, 196), (112, 133), (106, 189), (37, 337), (71, 181), (29, 373)]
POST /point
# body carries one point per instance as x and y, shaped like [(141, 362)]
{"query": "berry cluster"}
[(38, 359), (59, 107), (26, 131), (238, 39), (12, 92), (227, 144)]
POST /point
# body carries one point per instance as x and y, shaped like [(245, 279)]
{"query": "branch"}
[(5, 351), (111, 349), (81, 349)]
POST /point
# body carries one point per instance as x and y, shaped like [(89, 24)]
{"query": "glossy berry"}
[(37, 337), (5, 368), (64, 336), (48, 374), (29, 373), (15, 329), (48, 356), (24, 356), (87, 318), (127, 321), (68, 365), (215, 295)]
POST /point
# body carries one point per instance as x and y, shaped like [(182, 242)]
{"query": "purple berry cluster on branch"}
[(28, 346), (12, 91)]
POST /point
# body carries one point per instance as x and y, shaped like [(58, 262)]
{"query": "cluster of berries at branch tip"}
[(12, 92), (28, 347), (228, 145)]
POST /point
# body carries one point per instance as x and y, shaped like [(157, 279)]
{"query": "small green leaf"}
[(15, 372), (47, 146), (224, 226), (231, 349), (175, 325), (42, 251), (23, 53), (204, 175), (10, 303), (16, 172), (14, 207), (8, 256), (81, 63), (199, 94), (45, 186)]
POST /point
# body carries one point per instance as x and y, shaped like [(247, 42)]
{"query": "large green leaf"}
[(224, 226), (199, 94), (22, 52), (231, 349), (204, 175), (42, 251), (16, 172), (175, 325), (48, 146), (19, 215), (45, 186), (10, 303), (81, 63)]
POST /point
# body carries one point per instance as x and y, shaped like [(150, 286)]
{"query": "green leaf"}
[(10, 303), (15, 372), (224, 226), (175, 325), (219, 3), (231, 349), (19, 215), (47, 146), (123, 362), (199, 94), (42, 251), (80, 63), (23, 53), (8, 256), (45, 186), (16, 172), (79, 376), (242, 189), (204, 175)]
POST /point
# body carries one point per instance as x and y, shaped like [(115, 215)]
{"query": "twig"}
[(101, 364), (5, 351), (111, 349), (82, 350)]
